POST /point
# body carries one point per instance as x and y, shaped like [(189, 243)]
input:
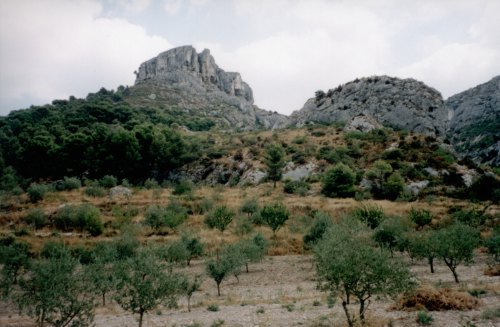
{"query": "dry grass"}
[(433, 299)]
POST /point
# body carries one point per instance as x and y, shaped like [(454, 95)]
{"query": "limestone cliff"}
[(475, 122), (192, 81), (399, 103)]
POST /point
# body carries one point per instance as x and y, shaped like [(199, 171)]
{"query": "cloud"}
[(333, 42), (135, 6), (172, 7), (455, 67), (54, 49)]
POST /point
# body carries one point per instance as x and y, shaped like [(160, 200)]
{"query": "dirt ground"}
[(281, 291)]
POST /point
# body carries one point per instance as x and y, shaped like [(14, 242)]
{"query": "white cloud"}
[(455, 67), (59, 48), (332, 44), (172, 7), (135, 6)]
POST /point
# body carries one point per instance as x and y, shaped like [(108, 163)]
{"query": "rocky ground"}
[(281, 291)]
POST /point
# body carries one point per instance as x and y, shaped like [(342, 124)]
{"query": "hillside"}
[(475, 123)]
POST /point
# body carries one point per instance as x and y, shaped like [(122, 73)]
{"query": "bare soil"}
[(281, 291)]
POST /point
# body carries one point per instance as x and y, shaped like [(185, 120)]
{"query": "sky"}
[(284, 49)]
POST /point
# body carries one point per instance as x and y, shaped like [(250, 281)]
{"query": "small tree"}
[(56, 292), (220, 217), (189, 286), (338, 181), (420, 217), (250, 206), (456, 245), (274, 215), (424, 245), (371, 215), (14, 256), (347, 265), (143, 282), (193, 246), (275, 161), (252, 250), (228, 262), (492, 243)]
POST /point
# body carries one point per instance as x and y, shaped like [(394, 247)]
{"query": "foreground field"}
[(281, 291)]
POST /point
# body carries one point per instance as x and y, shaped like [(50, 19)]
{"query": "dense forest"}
[(92, 137)]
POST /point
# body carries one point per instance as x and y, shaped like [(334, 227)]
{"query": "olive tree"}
[(228, 262), (57, 292), (456, 245), (220, 217), (189, 286), (274, 215), (348, 265), (144, 282)]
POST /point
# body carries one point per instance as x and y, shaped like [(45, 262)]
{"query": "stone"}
[(392, 102), (416, 187), (297, 173), (120, 192), (253, 177), (362, 123)]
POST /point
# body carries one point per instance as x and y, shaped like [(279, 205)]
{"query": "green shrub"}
[(108, 181), (393, 187), (424, 318), (36, 192), (213, 307), (339, 182), (420, 217), (72, 183), (95, 191), (184, 186), (321, 223), (80, 217), (220, 217), (250, 206), (371, 215), (472, 217), (296, 187), (151, 183), (492, 243), (36, 217), (170, 216), (274, 215)]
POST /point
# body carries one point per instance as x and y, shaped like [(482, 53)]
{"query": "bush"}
[(420, 217), (296, 187), (274, 215), (95, 191), (71, 183), (81, 217), (393, 187), (424, 318), (485, 188), (213, 307), (36, 217), (339, 182), (321, 223), (472, 217), (151, 184), (36, 192), (108, 181), (170, 216), (250, 206), (492, 243), (183, 186), (371, 215)]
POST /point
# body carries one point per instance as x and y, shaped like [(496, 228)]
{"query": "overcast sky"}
[(284, 49)]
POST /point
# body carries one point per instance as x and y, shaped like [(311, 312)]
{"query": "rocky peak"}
[(475, 122), (184, 66), (400, 103)]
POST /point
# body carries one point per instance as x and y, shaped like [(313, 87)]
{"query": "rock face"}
[(475, 122), (185, 79), (399, 103)]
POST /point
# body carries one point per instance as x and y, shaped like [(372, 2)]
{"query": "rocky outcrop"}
[(399, 103), (184, 79), (475, 122)]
